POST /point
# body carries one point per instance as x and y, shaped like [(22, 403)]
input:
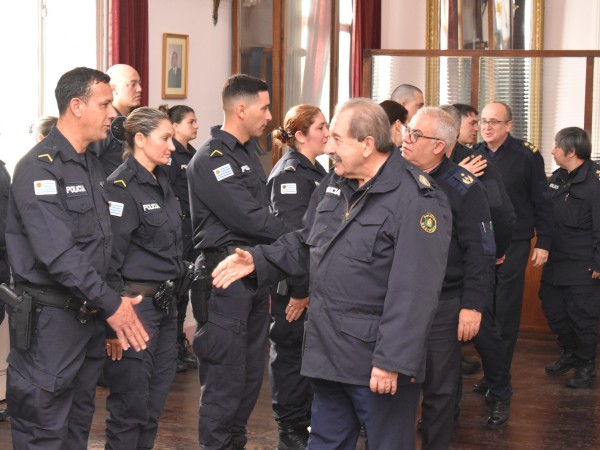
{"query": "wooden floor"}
[(545, 415)]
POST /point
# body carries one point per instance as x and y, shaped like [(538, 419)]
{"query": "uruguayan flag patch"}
[(288, 188), (116, 209), (44, 187), (223, 172)]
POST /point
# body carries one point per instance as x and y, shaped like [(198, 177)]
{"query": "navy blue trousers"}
[(231, 352), (140, 381), (51, 387)]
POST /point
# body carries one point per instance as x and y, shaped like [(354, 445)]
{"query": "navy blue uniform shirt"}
[(501, 208), (146, 221), (291, 184), (58, 227), (4, 191), (471, 258), (228, 195), (576, 228), (522, 168), (176, 171)]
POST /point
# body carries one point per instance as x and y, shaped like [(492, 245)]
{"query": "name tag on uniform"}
[(333, 190), (150, 207), (75, 189), (169, 161), (553, 186), (116, 209), (245, 168), (223, 172), (44, 187), (288, 188)]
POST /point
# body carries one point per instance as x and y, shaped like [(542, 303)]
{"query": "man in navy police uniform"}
[(59, 242), (376, 239)]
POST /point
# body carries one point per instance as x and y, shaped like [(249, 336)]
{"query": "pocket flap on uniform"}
[(228, 323), (364, 329)]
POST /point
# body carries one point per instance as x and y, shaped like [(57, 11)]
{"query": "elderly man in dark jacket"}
[(376, 240)]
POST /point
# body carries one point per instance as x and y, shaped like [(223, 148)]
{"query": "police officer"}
[(185, 128), (4, 268), (397, 115), (487, 341), (59, 243), (376, 237), (467, 285), (522, 168), (229, 206), (127, 95), (146, 260), (570, 290), (290, 185)]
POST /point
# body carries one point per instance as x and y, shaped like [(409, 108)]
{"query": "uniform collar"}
[(292, 153), (179, 148), (56, 143), (386, 179), (141, 173), (227, 138), (578, 175)]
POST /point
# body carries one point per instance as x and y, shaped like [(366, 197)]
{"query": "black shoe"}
[(292, 438), (499, 413), (469, 367), (481, 386), (584, 376), (3, 414), (186, 356), (566, 361), (181, 366)]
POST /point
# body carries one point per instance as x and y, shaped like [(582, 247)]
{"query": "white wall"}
[(403, 24), (209, 55)]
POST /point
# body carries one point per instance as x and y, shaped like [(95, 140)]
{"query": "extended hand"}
[(128, 327), (468, 324), (475, 165), (383, 382), (295, 308), (233, 268)]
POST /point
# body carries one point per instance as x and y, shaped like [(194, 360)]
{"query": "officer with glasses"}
[(522, 168)]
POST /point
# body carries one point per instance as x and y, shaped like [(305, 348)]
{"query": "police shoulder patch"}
[(423, 181), (530, 146)]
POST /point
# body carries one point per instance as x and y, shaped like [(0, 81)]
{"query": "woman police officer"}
[(146, 259)]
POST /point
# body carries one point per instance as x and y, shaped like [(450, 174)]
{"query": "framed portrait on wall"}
[(175, 65)]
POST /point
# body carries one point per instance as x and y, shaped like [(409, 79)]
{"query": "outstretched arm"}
[(233, 268)]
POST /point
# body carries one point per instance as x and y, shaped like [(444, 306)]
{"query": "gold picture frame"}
[(175, 65)]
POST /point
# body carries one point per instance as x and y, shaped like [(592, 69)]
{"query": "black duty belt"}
[(57, 298)]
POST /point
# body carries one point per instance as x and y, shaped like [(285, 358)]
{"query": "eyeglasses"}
[(492, 123), (414, 136)]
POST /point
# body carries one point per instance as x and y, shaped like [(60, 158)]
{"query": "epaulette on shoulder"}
[(423, 181), (465, 178), (291, 164), (121, 177), (47, 155), (530, 146), (215, 149)]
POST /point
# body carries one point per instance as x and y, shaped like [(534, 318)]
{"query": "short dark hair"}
[(574, 139), (241, 85), (465, 109), (394, 110), (177, 113), (77, 83)]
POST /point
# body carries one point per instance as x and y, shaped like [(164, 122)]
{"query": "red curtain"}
[(366, 33), (128, 38)]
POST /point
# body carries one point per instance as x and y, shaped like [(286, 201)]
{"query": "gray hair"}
[(445, 128), (368, 119)]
